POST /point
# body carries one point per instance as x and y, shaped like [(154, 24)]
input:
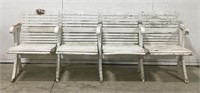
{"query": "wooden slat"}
[(38, 34), (160, 25), (161, 35), (39, 16), (160, 22), (37, 29), (161, 29), (39, 42), (79, 40), (80, 25), (119, 40), (39, 22), (79, 22), (160, 43), (120, 43), (120, 36), (39, 25), (79, 37), (40, 19), (120, 30)]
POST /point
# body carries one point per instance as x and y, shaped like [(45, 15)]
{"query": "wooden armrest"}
[(15, 28), (141, 32), (58, 29), (184, 29), (142, 29), (99, 38), (99, 28)]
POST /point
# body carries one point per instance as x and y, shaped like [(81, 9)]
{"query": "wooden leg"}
[(142, 69), (17, 68), (100, 70), (179, 64), (184, 70), (58, 68), (19, 65), (138, 68)]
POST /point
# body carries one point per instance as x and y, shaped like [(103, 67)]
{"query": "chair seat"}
[(33, 49), (167, 50), (110, 49), (77, 49)]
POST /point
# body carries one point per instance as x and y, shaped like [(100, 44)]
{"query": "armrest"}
[(99, 38), (14, 28), (141, 32), (142, 29), (184, 29), (99, 28), (57, 29)]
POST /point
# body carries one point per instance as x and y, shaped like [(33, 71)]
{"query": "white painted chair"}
[(35, 35), (122, 35), (165, 35), (77, 36)]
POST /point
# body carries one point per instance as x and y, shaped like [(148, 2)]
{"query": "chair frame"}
[(183, 31)]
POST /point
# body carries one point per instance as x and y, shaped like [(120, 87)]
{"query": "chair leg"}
[(184, 70), (142, 69), (100, 70), (179, 64), (17, 68), (58, 68), (138, 68)]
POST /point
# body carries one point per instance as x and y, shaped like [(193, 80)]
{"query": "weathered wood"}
[(58, 30), (181, 64), (39, 26), (58, 68), (34, 36), (77, 48), (33, 48), (15, 29), (182, 32), (123, 49), (100, 51), (121, 36), (17, 68), (184, 70), (166, 36), (79, 37), (141, 68), (141, 32), (167, 50), (35, 39), (100, 70)]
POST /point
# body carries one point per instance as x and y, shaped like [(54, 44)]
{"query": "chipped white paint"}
[(80, 36), (118, 43), (175, 48), (33, 42)]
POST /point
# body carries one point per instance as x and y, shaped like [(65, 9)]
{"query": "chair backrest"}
[(79, 28), (120, 29), (38, 29), (161, 29)]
